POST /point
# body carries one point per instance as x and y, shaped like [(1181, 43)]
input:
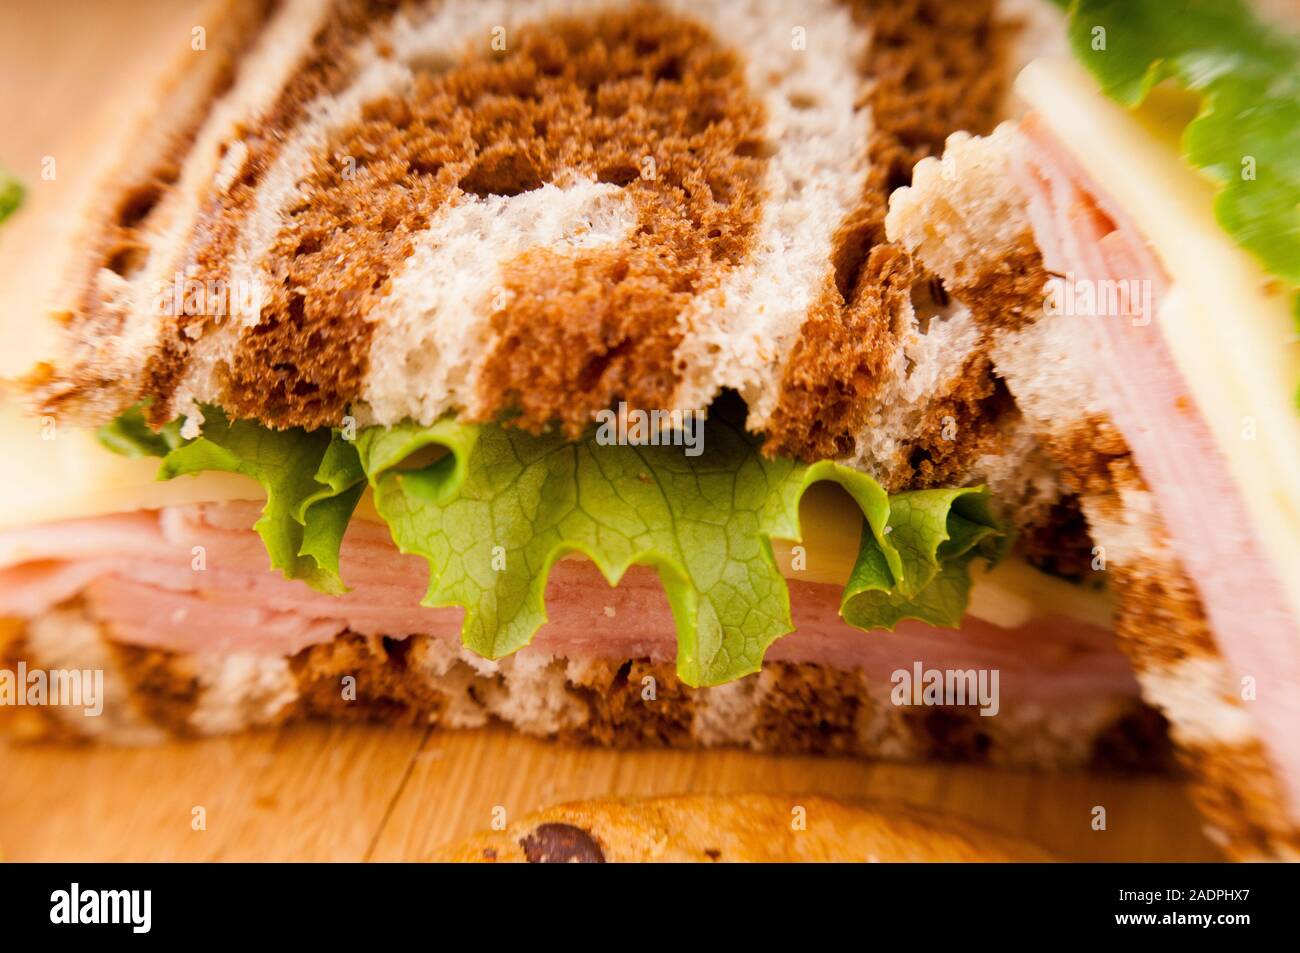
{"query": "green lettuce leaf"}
[(499, 507), (1247, 134), (937, 534), (304, 519), (131, 436), (491, 509), (11, 195), (325, 512)]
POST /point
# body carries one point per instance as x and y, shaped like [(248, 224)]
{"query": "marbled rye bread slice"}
[(537, 209)]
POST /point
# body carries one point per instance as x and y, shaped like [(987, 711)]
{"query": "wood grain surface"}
[(68, 71), (354, 792)]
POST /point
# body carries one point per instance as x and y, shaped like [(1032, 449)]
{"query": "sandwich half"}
[(1161, 371), (471, 311)]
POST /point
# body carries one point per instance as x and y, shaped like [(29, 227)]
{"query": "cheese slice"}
[(57, 472), (1228, 327)]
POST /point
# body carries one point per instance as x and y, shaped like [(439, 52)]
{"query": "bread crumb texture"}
[(638, 98), (932, 68)]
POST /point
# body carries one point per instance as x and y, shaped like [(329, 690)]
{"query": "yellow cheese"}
[(56, 472), (1227, 322)]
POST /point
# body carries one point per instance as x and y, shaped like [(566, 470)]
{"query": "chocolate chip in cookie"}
[(561, 844)]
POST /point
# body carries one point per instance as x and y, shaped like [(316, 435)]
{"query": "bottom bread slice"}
[(789, 707)]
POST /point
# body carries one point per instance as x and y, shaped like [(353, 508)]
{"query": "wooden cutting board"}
[(354, 792)]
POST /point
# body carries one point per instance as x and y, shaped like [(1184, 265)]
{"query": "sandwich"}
[(500, 305), (742, 828), (686, 374)]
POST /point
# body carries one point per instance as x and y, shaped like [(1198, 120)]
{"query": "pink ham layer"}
[(134, 573), (1080, 229)]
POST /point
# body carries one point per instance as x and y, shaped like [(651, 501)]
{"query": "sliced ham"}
[(136, 573)]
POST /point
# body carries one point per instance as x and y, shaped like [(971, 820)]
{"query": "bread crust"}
[(134, 192)]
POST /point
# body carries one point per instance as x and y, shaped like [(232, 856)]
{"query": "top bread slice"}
[(536, 210)]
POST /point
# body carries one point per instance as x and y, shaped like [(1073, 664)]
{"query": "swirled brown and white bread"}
[(645, 202)]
